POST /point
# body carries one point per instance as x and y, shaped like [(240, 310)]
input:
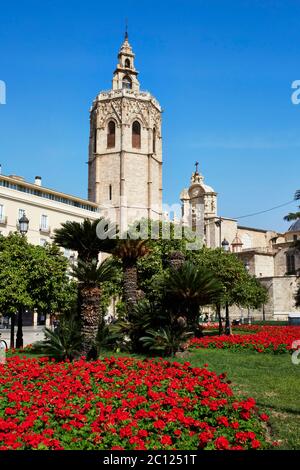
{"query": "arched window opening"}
[(127, 83), (111, 134), (110, 192), (290, 263), (127, 63), (136, 135), (154, 140), (95, 141)]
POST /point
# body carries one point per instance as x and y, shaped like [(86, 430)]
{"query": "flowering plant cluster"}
[(275, 339), (122, 403)]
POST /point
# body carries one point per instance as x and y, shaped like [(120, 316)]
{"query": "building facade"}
[(270, 256), (125, 148), (46, 209)]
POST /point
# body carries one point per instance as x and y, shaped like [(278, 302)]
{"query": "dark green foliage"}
[(33, 277), (82, 238), (165, 341), (164, 327), (63, 343), (294, 215)]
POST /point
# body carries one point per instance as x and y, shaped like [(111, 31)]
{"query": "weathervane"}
[(126, 28), (196, 165)]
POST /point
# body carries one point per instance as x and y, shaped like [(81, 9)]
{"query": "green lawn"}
[(271, 379)]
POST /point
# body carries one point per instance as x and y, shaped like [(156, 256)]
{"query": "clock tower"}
[(199, 204), (125, 147)]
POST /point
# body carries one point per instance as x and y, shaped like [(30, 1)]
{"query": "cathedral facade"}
[(125, 148)]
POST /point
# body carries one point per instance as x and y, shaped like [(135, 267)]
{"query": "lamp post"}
[(23, 228), (247, 267), (23, 224), (226, 247)]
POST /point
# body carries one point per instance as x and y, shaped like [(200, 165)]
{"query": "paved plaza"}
[(30, 334)]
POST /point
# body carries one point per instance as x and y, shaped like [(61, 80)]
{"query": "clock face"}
[(195, 192)]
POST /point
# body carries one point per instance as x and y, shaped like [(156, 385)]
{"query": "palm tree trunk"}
[(130, 287), (90, 319)]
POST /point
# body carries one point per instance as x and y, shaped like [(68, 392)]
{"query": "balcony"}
[(45, 230)]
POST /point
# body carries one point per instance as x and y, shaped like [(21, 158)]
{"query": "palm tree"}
[(189, 287), (129, 251), (90, 276), (82, 238), (294, 215)]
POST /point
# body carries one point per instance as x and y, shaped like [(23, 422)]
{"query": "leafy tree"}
[(239, 287), (32, 277), (152, 267)]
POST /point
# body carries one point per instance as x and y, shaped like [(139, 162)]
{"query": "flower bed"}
[(275, 339), (122, 404)]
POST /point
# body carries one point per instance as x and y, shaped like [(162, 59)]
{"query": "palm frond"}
[(129, 251), (292, 216), (83, 238), (93, 273), (63, 343)]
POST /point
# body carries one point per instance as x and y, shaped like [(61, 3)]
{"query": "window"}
[(295, 237), (1, 212), (127, 63), (95, 141), (111, 134), (44, 222), (154, 140), (290, 263), (136, 135), (21, 213), (127, 83), (110, 192)]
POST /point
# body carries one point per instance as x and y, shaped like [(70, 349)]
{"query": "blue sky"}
[(222, 71)]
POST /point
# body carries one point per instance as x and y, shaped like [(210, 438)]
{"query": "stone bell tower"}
[(125, 147)]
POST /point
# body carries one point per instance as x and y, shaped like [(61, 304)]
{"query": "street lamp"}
[(225, 245), (247, 267), (23, 228), (23, 224)]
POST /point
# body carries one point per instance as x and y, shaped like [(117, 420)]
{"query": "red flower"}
[(264, 417), (166, 440), (221, 443)]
